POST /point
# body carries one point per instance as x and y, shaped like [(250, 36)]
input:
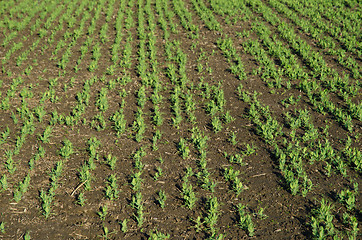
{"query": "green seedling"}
[(22, 188), (99, 122), (155, 138), (250, 149), (10, 166), (137, 204), (237, 158), (112, 191), (161, 160), (162, 198), (103, 212), (93, 144), (157, 117), (212, 215), (106, 233), (352, 222), (189, 195), (245, 221), (67, 149), (232, 139), (141, 97), (81, 199), (14, 117), (47, 134), (85, 176), (216, 124), (227, 118), (183, 148), (158, 173), (102, 101), (136, 181), (198, 224), (5, 135), (40, 112), (111, 161), (124, 227), (119, 122), (3, 183), (328, 168), (139, 125), (155, 235), (348, 197), (261, 213), (140, 153), (46, 199), (2, 227), (27, 236)]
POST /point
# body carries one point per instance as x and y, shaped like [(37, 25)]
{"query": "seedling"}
[(47, 134), (250, 149), (137, 204), (157, 118), (103, 212), (22, 188), (111, 161), (352, 222), (85, 176), (139, 125), (67, 149), (328, 168), (136, 181), (2, 227), (183, 148), (40, 112), (261, 213), (140, 153), (228, 118), (216, 124), (245, 221), (189, 195), (198, 224), (3, 183), (98, 122), (112, 191), (93, 144), (212, 215), (162, 198), (10, 162), (158, 173), (141, 97), (124, 225), (27, 236), (106, 233), (155, 138), (102, 102), (161, 160), (46, 203), (5, 135), (13, 116), (232, 139), (348, 197), (119, 122), (155, 235), (81, 199)]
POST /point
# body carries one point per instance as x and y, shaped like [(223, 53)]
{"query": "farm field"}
[(180, 119)]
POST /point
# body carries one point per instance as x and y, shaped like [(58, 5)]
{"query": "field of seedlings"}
[(181, 119)]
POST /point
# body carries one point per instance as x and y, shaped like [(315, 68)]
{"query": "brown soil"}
[(286, 216)]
